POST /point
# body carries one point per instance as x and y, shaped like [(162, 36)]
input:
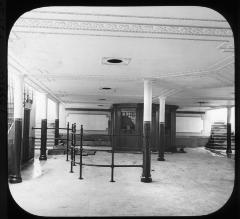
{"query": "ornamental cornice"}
[(138, 28)]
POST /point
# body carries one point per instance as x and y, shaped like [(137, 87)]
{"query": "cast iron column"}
[(146, 174), (43, 149), (15, 149), (161, 146), (229, 150)]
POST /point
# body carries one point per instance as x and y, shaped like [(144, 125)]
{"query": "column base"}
[(15, 179), (43, 157), (161, 159), (146, 179)]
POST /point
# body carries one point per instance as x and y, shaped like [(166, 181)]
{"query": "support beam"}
[(16, 147), (161, 146), (146, 175), (229, 149), (43, 149)]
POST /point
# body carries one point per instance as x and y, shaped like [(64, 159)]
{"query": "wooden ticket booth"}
[(127, 126)]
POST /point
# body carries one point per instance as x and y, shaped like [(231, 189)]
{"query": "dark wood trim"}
[(15, 153), (190, 112), (56, 133), (25, 141), (173, 131), (88, 109), (43, 155), (229, 149), (161, 146), (146, 174), (125, 105)]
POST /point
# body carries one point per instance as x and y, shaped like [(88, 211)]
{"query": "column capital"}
[(147, 82), (162, 97), (43, 93)]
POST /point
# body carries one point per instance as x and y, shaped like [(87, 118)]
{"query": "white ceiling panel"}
[(183, 50)]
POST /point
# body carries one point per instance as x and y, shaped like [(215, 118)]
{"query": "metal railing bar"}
[(97, 165), (122, 165)]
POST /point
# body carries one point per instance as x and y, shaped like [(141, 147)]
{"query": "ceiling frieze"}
[(226, 47), (36, 24)]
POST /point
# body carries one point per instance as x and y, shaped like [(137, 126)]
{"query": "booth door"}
[(128, 134)]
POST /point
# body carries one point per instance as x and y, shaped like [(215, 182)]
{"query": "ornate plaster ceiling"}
[(183, 50)]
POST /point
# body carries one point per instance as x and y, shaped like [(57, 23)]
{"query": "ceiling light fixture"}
[(115, 61), (102, 99), (105, 88)]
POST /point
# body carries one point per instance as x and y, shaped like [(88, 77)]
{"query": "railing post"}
[(71, 155), (81, 149), (67, 139), (72, 141), (74, 144), (43, 149)]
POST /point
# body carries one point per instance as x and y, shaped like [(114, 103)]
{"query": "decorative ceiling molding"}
[(13, 37), (39, 86), (221, 63), (175, 37), (167, 93), (125, 16), (226, 47), (37, 24), (74, 77)]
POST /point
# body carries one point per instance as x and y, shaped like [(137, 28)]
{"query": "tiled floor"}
[(192, 183)]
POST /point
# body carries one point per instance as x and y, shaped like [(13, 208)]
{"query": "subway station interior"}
[(121, 111)]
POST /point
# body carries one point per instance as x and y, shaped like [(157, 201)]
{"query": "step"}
[(218, 127), (220, 143), (220, 147), (222, 135), (219, 123)]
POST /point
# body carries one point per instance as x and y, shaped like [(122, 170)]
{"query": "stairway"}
[(50, 136), (218, 137)]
